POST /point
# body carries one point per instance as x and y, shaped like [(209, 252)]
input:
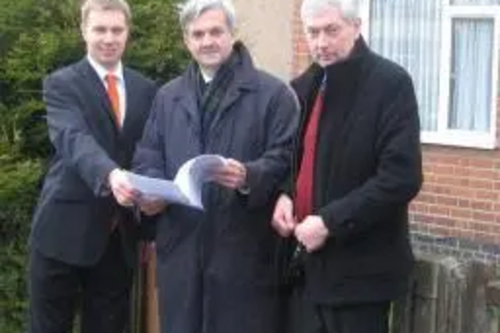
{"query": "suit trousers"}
[(57, 290), (305, 316)]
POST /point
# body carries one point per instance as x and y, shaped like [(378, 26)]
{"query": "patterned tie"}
[(304, 186), (114, 98)]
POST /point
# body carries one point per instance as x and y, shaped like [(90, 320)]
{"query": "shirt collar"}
[(207, 78), (102, 71)]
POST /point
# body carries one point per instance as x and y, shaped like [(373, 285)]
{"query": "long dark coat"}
[(367, 169), (217, 269)]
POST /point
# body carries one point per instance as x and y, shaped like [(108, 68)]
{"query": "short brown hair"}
[(120, 5)]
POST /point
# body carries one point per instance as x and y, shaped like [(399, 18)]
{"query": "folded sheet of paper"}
[(186, 187)]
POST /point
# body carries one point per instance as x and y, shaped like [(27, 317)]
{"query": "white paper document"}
[(186, 187)]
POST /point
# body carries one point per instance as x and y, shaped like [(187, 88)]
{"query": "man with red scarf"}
[(357, 166)]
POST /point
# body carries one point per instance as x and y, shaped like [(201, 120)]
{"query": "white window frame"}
[(444, 135)]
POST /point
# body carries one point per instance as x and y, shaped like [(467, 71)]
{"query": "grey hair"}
[(348, 8), (192, 9)]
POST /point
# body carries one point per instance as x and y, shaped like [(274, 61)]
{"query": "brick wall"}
[(300, 58), (458, 209), (459, 205), (461, 194)]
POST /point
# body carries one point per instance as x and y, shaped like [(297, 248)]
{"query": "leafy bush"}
[(18, 189)]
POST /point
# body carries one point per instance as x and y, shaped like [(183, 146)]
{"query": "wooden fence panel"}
[(475, 312), (151, 304), (425, 279), (447, 296)]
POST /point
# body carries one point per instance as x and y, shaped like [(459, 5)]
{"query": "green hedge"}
[(19, 183)]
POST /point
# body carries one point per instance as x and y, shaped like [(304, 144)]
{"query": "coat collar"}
[(245, 73), (337, 74), (245, 80)]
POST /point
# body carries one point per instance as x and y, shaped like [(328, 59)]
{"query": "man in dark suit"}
[(82, 242), (357, 166)]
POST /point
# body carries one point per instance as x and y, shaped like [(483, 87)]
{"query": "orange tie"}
[(114, 98)]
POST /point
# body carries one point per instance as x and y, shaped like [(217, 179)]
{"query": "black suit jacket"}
[(72, 221)]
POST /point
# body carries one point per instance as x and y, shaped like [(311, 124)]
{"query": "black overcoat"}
[(367, 169), (217, 268)]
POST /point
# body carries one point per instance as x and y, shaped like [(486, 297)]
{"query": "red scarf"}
[(304, 186)]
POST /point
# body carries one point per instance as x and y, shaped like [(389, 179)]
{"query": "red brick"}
[(481, 184), (460, 213), (482, 163), (487, 174), (427, 198), (483, 216), (464, 203), (440, 231), (482, 205), (438, 210), (487, 195)]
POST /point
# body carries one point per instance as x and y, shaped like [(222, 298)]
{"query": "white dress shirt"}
[(118, 73)]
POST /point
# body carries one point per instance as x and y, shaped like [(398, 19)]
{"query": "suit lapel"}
[(131, 100), (93, 86)]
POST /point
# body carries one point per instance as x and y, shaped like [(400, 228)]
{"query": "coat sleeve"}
[(72, 138), (266, 174), (398, 175), (148, 158)]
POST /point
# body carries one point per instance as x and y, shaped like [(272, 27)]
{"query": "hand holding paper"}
[(123, 191), (186, 187), (233, 175)]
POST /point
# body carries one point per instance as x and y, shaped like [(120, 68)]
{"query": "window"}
[(450, 47)]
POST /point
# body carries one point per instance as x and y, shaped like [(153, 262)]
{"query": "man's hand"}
[(151, 205), (283, 220), (233, 175), (122, 189), (312, 233)]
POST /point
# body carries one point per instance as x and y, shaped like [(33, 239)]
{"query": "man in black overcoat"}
[(357, 166)]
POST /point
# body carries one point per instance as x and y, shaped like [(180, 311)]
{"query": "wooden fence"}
[(445, 296)]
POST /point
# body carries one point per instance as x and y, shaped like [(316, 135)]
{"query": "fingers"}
[(281, 225), (288, 218), (152, 207), (286, 209), (150, 210), (311, 233), (283, 221), (282, 229), (233, 175), (123, 191), (303, 241), (301, 234)]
